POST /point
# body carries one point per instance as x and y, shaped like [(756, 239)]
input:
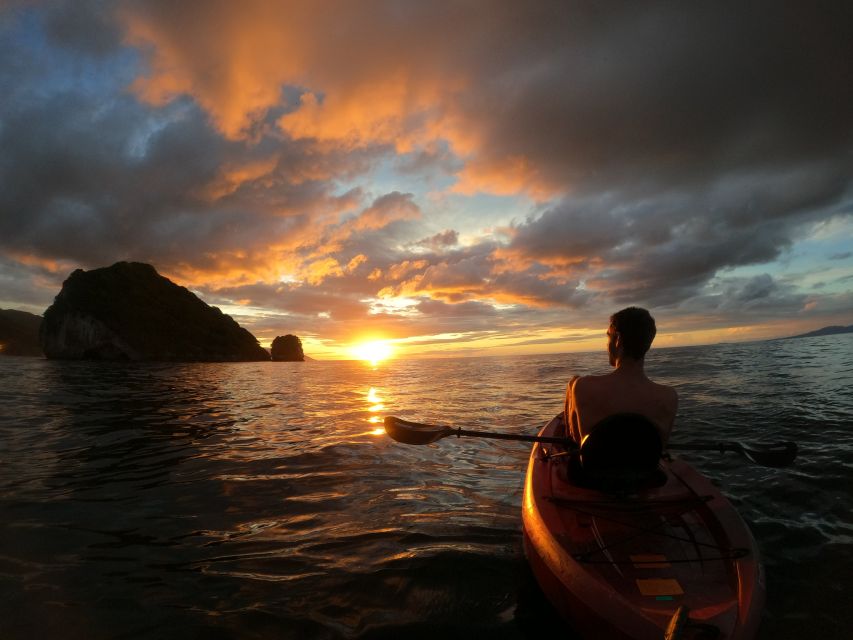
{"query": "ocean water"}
[(261, 500)]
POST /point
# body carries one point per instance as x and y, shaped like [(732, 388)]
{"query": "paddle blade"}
[(778, 454), (414, 432), (781, 454)]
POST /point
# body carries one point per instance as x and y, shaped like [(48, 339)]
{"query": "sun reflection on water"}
[(377, 404)]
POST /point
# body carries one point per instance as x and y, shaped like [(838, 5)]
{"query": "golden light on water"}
[(376, 405), (373, 352)]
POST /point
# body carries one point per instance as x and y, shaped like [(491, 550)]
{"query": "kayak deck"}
[(621, 565)]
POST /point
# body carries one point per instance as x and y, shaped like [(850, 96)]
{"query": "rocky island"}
[(19, 333), (287, 349), (130, 312)]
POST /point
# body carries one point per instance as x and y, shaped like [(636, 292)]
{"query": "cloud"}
[(91, 176), (84, 26), (29, 283), (660, 247), (308, 153), (672, 164), (535, 98), (385, 210), (440, 241)]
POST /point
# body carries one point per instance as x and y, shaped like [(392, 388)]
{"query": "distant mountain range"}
[(826, 331)]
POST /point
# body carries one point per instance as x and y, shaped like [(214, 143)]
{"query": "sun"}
[(372, 352)]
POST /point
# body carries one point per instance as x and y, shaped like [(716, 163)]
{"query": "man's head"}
[(630, 334)]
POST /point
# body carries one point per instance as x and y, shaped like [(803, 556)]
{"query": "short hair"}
[(637, 329)]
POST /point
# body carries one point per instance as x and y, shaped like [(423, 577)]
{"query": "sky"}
[(457, 178)]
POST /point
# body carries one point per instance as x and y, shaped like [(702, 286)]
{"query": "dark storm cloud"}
[(70, 186), (656, 93), (749, 297), (690, 139), (662, 247), (85, 26)]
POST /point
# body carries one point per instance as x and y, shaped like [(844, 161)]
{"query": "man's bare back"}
[(590, 399)]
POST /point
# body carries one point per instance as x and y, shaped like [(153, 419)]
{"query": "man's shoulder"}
[(590, 383), (667, 392), (665, 388), (595, 377)]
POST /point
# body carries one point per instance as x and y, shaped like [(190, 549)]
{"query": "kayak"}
[(669, 559)]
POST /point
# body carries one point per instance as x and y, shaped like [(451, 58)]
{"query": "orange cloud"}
[(398, 111), (386, 209), (317, 271), (476, 281), (47, 264), (232, 59), (505, 176), (366, 76), (355, 263), (402, 269), (232, 176)]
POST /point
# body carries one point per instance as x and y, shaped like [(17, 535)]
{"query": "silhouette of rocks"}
[(130, 312), (826, 331), (19, 333), (287, 348)]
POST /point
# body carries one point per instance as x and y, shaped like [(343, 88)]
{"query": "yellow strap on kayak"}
[(649, 561), (659, 587)]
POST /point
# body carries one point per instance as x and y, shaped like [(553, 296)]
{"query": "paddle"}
[(779, 454), (418, 433)]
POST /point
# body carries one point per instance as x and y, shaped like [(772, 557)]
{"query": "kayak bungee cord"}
[(725, 553)]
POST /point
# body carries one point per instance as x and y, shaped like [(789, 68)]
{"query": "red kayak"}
[(666, 558)]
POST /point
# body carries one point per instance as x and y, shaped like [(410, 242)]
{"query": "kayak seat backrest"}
[(621, 451)]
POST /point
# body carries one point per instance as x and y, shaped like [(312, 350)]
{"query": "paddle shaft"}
[(780, 454), (768, 457), (722, 447), (511, 436)]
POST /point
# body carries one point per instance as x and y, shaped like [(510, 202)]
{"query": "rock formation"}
[(287, 348), (130, 312), (19, 333)]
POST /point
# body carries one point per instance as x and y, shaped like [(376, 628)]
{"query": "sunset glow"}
[(294, 165), (373, 352)]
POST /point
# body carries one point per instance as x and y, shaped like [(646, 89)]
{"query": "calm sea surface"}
[(257, 501)]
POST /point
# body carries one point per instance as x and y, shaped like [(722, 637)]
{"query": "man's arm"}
[(570, 411), (674, 411), (672, 408)]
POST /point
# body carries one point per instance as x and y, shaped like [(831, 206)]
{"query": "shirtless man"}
[(590, 399)]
